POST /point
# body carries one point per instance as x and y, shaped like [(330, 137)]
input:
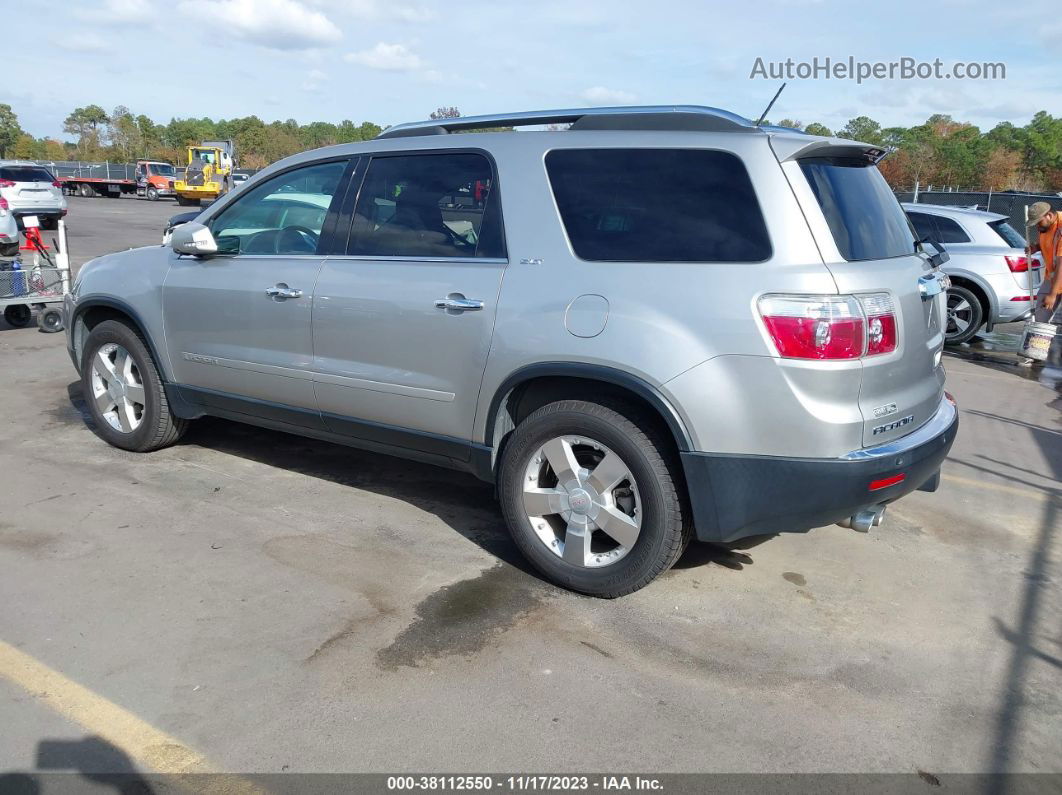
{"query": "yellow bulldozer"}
[(209, 173)]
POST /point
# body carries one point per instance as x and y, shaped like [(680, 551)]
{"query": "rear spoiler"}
[(788, 146)]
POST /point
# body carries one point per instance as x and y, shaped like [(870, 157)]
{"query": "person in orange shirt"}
[(1048, 223)]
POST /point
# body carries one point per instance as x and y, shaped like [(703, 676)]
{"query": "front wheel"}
[(18, 315), (123, 390), (965, 315), (152, 194), (590, 495)]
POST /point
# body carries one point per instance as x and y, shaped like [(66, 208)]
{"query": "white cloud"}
[(313, 81), (279, 24), (599, 95), (122, 12), (374, 10), (388, 57)]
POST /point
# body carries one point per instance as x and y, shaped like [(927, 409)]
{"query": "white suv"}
[(30, 189)]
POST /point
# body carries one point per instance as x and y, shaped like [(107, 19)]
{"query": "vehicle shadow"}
[(465, 503)]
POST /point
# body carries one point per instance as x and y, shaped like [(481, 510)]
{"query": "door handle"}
[(281, 290), (455, 302)]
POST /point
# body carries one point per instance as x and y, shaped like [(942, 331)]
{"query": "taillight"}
[(6, 183), (881, 323), (3, 204), (830, 326), (1021, 298), (56, 183), (1017, 264), (814, 327)]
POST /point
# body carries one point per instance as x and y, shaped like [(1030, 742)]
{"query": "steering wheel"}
[(295, 239)]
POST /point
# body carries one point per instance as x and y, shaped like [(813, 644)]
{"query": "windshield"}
[(1008, 233), (866, 220), (161, 169)]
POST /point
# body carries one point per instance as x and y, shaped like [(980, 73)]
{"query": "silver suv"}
[(992, 280), (29, 189), (658, 323)]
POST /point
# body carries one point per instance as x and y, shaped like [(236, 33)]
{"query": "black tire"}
[(9, 250), (152, 193), (50, 320), (665, 526), (18, 315), (49, 222), (969, 311), (86, 190), (158, 426)]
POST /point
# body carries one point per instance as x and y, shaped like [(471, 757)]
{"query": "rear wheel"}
[(965, 315), (591, 498), (86, 190), (123, 390), (18, 315)]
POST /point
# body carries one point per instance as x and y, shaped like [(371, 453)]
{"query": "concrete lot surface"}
[(249, 601)]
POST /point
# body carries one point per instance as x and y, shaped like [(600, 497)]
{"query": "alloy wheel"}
[(582, 501), (117, 388)]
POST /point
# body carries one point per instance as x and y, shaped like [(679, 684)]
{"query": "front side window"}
[(658, 205), (864, 216), (950, 231), (283, 215), (437, 205)]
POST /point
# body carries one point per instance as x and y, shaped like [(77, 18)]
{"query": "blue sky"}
[(396, 60)]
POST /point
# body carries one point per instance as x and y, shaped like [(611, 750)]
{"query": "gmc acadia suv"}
[(659, 322)]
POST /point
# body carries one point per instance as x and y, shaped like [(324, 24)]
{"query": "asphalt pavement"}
[(248, 601)]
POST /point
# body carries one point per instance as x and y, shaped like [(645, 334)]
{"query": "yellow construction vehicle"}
[(209, 172)]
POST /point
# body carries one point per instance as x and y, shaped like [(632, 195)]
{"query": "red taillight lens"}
[(814, 327), (3, 204), (881, 323), (1017, 264), (1021, 298), (56, 183), (6, 183)]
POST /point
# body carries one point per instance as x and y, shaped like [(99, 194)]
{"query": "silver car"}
[(30, 189), (661, 323), (9, 236), (992, 280)]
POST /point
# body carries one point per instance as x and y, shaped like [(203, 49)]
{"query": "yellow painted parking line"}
[(983, 484), (138, 739)]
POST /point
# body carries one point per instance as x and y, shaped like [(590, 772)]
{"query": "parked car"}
[(30, 189), (990, 274), (238, 179), (9, 236), (659, 323)]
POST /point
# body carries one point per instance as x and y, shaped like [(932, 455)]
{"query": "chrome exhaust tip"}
[(865, 519)]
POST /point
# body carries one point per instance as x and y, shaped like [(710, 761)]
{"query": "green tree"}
[(795, 125), (9, 129), (445, 113), (863, 129), (815, 128)]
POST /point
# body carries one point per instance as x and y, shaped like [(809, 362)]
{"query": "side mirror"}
[(192, 238)]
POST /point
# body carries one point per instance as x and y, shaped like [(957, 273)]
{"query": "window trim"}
[(564, 229), (324, 243), (357, 183)]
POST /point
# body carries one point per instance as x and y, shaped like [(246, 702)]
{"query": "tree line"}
[(941, 151)]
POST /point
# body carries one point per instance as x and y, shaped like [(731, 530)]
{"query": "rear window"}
[(26, 174), (657, 205), (866, 220), (1011, 235)]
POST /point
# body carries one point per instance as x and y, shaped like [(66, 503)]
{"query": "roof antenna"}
[(770, 105)]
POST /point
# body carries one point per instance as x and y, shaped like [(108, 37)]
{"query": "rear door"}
[(402, 319), (869, 246)]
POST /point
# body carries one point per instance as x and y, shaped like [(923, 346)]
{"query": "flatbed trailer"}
[(97, 186)]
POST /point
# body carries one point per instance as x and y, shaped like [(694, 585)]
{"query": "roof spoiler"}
[(801, 145)]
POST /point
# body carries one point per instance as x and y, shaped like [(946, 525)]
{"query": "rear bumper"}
[(736, 496)]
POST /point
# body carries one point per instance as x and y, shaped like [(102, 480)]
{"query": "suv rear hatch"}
[(869, 247), (27, 187)]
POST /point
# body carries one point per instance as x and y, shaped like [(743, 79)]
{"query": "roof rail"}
[(641, 117)]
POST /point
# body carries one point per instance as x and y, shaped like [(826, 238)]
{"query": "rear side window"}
[(417, 206), (1011, 235), (26, 174), (866, 220), (924, 225), (658, 205), (937, 228)]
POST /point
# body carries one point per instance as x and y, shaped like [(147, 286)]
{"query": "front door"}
[(402, 322), (238, 323)]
